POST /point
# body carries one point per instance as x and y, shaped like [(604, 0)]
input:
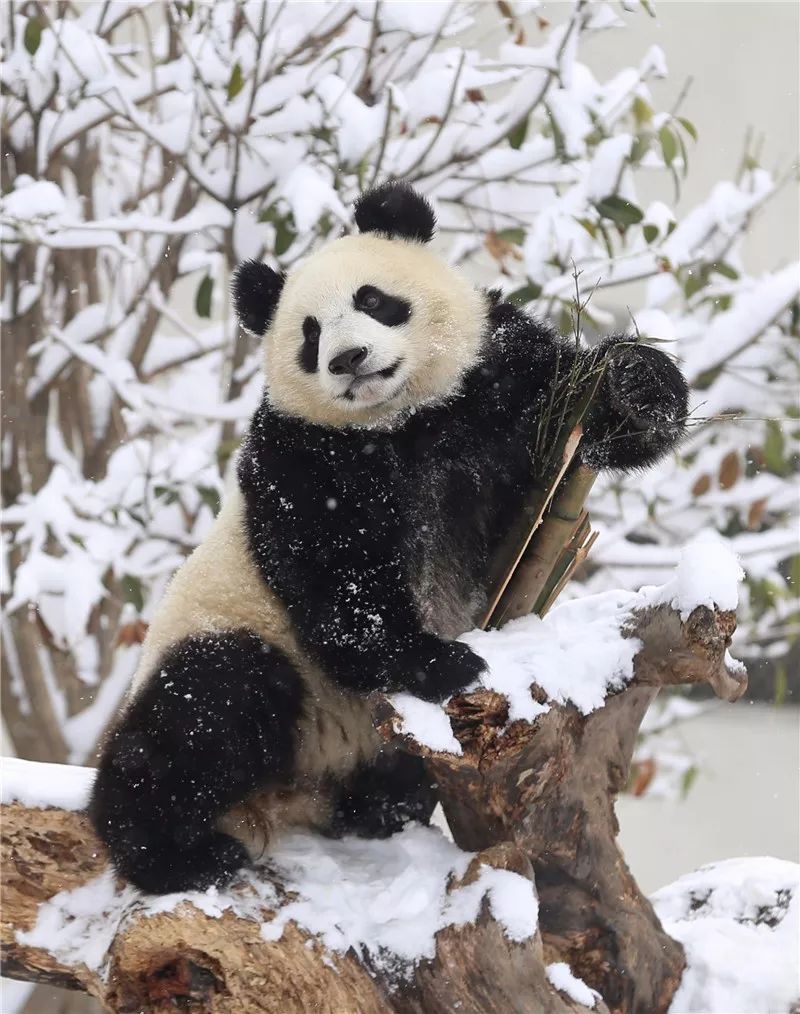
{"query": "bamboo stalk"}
[(517, 542), (523, 578), (549, 551)]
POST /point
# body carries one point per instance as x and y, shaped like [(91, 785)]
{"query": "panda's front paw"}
[(645, 387), (435, 669)]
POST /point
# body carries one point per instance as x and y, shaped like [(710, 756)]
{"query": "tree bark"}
[(536, 798)]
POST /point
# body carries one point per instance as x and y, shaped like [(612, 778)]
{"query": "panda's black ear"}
[(256, 290), (396, 209)]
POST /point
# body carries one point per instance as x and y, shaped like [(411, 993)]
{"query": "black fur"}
[(216, 721), (256, 289), (308, 356), (395, 209), (380, 799), (386, 309)]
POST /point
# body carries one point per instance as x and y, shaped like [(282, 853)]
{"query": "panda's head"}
[(369, 326)]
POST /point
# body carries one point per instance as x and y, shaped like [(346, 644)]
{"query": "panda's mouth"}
[(367, 386)]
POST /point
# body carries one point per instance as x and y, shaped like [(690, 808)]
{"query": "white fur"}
[(439, 342)]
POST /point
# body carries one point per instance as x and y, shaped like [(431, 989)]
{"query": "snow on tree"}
[(151, 147)]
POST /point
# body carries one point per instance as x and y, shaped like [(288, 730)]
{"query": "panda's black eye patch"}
[(386, 309), (308, 356), (311, 329)]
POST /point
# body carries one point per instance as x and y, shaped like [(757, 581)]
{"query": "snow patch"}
[(41, 786), (738, 923), (708, 575), (389, 898), (425, 722), (561, 977)]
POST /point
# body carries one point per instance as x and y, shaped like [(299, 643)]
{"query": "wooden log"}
[(184, 958)]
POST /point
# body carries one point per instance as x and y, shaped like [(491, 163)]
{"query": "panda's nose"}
[(348, 361)]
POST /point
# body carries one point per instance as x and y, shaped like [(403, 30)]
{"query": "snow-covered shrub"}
[(149, 147)]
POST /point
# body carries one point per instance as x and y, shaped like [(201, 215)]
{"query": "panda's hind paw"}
[(211, 860)]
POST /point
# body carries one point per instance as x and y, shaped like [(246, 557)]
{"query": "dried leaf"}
[(642, 775), (730, 470), (756, 513), (131, 633), (500, 248), (702, 485), (475, 95)]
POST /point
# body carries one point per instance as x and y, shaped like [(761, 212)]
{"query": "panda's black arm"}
[(326, 513), (638, 413)]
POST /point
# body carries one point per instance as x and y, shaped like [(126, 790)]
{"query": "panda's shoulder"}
[(509, 325)]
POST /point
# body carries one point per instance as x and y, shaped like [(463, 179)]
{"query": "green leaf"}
[(516, 236), (650, 233), (169, 496), (132, 591), (526, 294), (688, 126), (284, 237), (689, 776), (516, 136), (619, 210), (588, 225), (33, 35), (642, 111), (202, 300), (210, 498), (236, 82), (724, 269), (774, 448), (781, 684), (669, 145), (695, 281), (640, 146)]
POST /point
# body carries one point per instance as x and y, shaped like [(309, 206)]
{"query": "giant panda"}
[(399, 430)]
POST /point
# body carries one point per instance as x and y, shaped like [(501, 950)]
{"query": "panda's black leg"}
[(641, 408), (215, 722), (381, 798)]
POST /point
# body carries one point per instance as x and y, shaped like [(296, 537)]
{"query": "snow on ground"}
[(738, 922)]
